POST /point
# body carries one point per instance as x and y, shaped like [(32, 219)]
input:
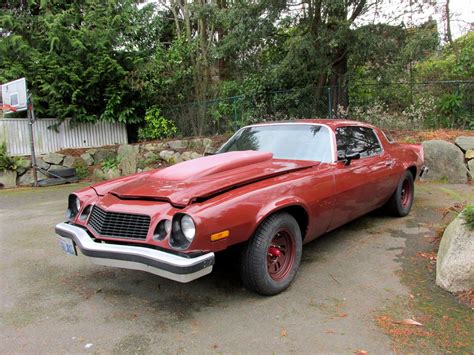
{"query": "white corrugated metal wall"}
[(84, 135)]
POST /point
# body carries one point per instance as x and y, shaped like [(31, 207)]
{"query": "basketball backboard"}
[(14, 96)]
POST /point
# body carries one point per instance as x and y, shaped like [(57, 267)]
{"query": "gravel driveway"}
[(51, 302)]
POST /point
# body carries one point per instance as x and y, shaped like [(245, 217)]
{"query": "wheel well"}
[(412, 170), (298, 213)]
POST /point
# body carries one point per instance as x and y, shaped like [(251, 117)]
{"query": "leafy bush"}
[(8, 162), (468, 214), (156, 126), (82, 171), (110, 163)]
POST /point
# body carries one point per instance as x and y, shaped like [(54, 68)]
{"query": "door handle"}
[(389, 162)]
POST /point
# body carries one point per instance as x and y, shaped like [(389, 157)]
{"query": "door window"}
[(354, 139)]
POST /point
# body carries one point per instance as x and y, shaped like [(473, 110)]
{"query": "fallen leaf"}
[(362, 352), (283, 332), (342, 315), (411, 296), (329, 331), (409, 322)]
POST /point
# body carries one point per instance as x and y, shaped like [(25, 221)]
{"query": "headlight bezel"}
[(162, 229), (73, 207), (178, 240)]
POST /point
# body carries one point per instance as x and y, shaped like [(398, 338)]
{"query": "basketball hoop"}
[(8, 108)]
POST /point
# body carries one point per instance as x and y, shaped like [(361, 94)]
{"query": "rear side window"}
[(388, 136), (353, 139)]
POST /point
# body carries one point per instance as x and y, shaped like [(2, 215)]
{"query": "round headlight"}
[(73, 206), (188, 228), (85, 213), (162, 229)]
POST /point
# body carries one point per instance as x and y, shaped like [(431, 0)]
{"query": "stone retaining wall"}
[(447, 162), (112, 162)]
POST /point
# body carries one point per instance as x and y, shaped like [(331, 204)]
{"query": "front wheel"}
[(402, 199), (271, 258)]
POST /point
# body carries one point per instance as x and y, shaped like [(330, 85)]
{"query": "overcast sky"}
[(392, 11)]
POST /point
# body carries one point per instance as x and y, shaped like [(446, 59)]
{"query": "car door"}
[(358, 184)]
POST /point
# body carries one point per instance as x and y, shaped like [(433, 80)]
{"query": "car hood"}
[(201, 178)]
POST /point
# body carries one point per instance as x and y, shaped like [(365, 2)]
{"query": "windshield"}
[(285, 141)]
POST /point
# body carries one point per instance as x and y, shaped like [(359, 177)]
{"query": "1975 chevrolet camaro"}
[(270, 188)]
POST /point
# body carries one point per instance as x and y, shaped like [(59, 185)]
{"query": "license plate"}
[(67, 245)]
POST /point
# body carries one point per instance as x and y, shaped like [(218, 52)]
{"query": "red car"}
[(270, 188)]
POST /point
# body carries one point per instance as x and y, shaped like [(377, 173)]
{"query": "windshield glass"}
[(285, 141)]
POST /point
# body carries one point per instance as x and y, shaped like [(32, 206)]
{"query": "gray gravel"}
[(51, 302)]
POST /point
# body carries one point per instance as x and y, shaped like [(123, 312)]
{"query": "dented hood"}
[(201, 178)]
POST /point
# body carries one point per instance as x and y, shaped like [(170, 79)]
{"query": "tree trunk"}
[(449, 37)]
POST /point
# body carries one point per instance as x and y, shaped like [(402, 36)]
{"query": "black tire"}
[(259, 267), (65, 173), (401, 201)]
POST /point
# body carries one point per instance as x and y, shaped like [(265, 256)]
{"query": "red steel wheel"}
[(271, 258), (401, 201), (281, 255), (406, 193)]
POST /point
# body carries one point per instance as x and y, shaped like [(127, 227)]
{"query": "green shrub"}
[(8, 162), (156, 126), (468, 215), (110, 163)]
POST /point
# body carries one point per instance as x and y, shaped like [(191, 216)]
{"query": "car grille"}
[(119, 225)]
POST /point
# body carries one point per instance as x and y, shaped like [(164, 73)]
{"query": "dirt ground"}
[(353, 285)]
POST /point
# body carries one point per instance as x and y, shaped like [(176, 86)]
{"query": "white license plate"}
[(67, 245)]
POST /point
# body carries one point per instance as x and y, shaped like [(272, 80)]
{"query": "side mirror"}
[(350, 157)]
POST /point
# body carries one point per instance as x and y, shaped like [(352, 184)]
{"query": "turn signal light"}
[(219, 236)]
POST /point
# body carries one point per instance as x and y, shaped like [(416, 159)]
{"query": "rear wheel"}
[(271, 258), (402, 199)]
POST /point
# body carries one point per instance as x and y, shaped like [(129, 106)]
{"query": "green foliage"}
[(468, 214), (453, 62), (82, 172), (110, 163), (8, 162), (450, 104), (95, 60), (156, 126), (81, 56)]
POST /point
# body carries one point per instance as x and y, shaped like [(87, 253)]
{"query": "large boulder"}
[(53, 158), (128, 156), (470, 165), (127, 149), (23, 166), (27, 178), (455, 262), (465, 143), (103, 154), (190, 155), (88, 158), (69, 161), (167, 156), (40, 163), (445, 162), (106, 175), (153, 147), (7, 179), (177, 144)]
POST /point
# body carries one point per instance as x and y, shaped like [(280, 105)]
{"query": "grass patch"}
[(448, 325), (468, 215)]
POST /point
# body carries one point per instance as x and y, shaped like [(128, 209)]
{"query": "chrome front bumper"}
[(170, 266)]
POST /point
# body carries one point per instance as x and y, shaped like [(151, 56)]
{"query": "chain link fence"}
[(390, 105)]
